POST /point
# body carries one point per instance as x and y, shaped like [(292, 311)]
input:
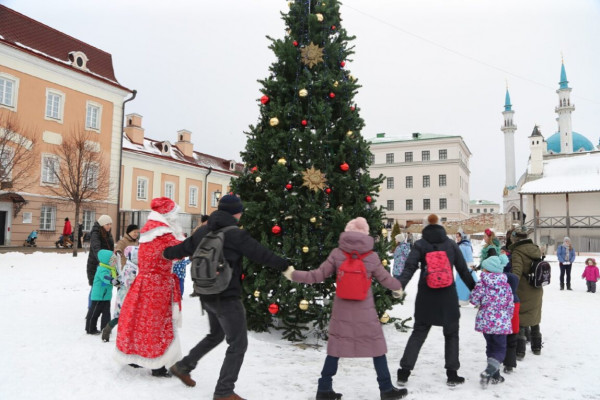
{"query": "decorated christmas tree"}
[(306, 171)]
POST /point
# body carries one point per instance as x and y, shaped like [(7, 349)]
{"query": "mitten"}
[(288, 272)]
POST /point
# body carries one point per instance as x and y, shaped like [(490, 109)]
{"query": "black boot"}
[(562, 286), (536, 345), (161, 372), (528, 334), (569, 286), (329, 395), (403, 375), (521, 347), (393, 394), (453, 378)]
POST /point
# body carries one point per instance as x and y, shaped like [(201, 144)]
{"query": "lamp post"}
[(217, 195)]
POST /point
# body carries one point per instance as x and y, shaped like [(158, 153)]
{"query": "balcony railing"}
[(592, 221)]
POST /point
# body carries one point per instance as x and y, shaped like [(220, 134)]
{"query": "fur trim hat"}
[(231, 203), (357, 225), (104, 220), (401, 237), (163, 205)]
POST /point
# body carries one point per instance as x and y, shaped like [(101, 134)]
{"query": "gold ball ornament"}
[(313, 219), (319, 17), (274, 121), (305, 249), (303, 305), (281, 161), (303, 93), (384, 232), (335, 84), (384, 262), (258, 179), (256, 293), (349, 133), (385, 318)]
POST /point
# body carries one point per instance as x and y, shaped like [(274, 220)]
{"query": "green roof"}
[(382, 138), (482, 203)]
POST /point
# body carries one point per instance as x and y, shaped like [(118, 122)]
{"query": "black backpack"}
[(210, 270), (539, 273)]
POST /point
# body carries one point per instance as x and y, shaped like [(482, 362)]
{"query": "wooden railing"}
[(592, 221)]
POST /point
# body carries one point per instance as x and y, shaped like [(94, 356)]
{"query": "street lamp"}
[(218, 195)]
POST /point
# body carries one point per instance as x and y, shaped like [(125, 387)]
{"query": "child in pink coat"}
[(591, 274)]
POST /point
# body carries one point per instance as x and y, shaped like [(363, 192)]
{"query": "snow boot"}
[(569, 286), (183, 374), (453, 378), (493, 368), (562, 286), (497, 378), (528, 334), (329, 395), (403, 375), (536, 345), (508, 370), (521, 348), (393, 394), (161, 372), (232, 396), (106, 333)]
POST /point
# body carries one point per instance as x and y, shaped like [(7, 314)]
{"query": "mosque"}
[(559, 193)]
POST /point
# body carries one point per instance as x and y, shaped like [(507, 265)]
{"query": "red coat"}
[(67, 230), (146, 335)]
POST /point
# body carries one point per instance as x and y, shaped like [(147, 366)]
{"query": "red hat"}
[(162, 205)]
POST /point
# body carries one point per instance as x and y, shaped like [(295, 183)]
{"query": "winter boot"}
[(329, 395), (521, 348), (528, 334), (536, 345), (183, 373), (497, 378), (403, 375), (569, 286), (393, 394), (562, 286), (232, 396), (453, 378), (161, 372), (106, 333), (492, 369), (508, 370)]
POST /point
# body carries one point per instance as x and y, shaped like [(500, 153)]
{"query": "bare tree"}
[(18, 153), (80, 172)]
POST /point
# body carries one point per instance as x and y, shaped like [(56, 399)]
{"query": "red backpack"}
[(438, 269), (352, 281)]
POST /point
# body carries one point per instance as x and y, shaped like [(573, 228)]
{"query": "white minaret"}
[(564, 110), (536, 147), (509, 129)]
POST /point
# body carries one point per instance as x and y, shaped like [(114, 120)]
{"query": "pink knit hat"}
[(357, 225)]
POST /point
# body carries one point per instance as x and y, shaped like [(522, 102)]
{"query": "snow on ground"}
[(47, 355)]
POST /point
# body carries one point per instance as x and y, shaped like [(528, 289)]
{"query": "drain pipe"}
[(210, 170), (118, 231)]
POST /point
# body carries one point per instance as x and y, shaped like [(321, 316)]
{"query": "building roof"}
[(507, 105), (577, 172), (39, 40), (154, 148), (417, 136), (580, 143), (564, 83)]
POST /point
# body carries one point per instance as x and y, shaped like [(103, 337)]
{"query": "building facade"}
[(55, 85), (483, 207), (424, 174)]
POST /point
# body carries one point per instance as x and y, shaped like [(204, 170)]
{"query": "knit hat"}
[(400, 237), (104, 256), (432, 219), (163, 205), (104, 220), (357, 225), (231, 203), (494, 263), (520, 232), (131, 227)]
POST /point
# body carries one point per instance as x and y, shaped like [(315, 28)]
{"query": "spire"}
[(536, 131), (507, 105), (564, 83)]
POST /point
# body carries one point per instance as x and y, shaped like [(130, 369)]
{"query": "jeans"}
[(417, 338), (330, 369), (565, 268), (227, 320)]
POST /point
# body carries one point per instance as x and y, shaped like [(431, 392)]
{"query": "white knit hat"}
[(104, 220)]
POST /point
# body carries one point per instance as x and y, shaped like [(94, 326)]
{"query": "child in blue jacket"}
[(104, 279)]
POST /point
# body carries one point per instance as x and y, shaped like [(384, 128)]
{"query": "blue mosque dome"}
[(579, 142)]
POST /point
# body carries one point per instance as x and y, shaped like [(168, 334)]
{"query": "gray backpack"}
[(210, 270)]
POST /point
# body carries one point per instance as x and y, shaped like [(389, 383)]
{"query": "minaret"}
[(536, 147), (509, 142), (564, 110)]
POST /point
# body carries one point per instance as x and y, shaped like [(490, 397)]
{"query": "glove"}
[(398, 294), (115, 282), (288, 272)]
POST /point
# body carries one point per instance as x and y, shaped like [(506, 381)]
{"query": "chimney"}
[(133, 128), (184, 143)]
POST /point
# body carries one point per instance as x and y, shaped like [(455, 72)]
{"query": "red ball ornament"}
[(331, 95), (352, 108), (368, 199), (344, 167), (328, 190), (343, 64), (289, 186), (243, 276), (304, 122), (265, 99), (276, 230), (254, 169), (333, 27), (295, 43), (273, 308)]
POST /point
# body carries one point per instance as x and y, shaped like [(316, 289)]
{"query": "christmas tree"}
[(307, 171)]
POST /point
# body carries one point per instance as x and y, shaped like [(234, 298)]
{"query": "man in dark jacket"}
[(434, 306), (226, 313)]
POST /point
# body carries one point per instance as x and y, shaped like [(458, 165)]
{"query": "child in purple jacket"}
[(591, 274), (494, 297)]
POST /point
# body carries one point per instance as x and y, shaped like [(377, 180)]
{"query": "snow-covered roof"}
[(567, 174)]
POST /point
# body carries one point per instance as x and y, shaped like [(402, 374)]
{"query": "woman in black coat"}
[(434, 306), (100, 239)]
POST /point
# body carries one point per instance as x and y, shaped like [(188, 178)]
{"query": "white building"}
[(559, 193), (483, 207), (424, 174)]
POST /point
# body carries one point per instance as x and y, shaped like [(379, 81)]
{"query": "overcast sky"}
[(433, 66)]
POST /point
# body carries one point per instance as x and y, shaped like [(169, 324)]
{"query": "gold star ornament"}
[(311, 55), (314, 179)]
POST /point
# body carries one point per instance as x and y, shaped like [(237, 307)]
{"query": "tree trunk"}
[(76, 229)]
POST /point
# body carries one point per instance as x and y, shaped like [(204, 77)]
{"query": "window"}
[(478, 210), (426, 181), (89, 216), (390, 205), (389, 158), (471, 211), (91, 176), (491, 210), (409, 205), (444, 219), (426, 204), (485, 210), (170, 190), (214, 199), (442, 180), (49, 169), (443, 204), (409, 181), (92, 116), (8, 90), (47, 218), (390, 183), (142, 189), (408, 156), (193, 201), (372, 159), (54, 105), (443, 154), (425, 155)]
